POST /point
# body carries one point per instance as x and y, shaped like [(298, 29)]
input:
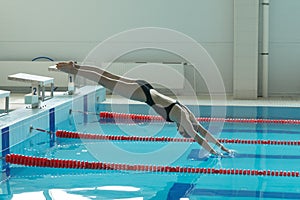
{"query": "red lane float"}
[(77, 135), (75, 164), (125, 116)]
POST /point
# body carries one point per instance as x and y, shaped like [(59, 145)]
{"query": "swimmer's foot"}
[(68, 67)]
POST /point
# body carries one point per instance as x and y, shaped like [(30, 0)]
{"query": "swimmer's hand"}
[(232, 153), (217, 154), (225, 149), (68, 67)]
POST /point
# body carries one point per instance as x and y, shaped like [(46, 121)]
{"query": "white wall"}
[(36, 68), (245, 65), (284, 54), (69, 29)]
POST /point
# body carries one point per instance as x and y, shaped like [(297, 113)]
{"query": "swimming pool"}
[(142, 181)]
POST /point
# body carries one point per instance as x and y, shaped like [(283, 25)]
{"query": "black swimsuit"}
[(163, 111)]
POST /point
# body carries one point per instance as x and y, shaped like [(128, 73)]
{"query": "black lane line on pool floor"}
[(194, 155), (185, 190)]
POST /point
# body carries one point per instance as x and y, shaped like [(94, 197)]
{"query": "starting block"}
[(5, 94), (38, 84), (71, 80)]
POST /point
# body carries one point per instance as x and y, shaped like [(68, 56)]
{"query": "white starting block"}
[(5, 94), (71, 80), (38, 84)]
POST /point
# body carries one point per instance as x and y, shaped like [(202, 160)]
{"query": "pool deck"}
[(229, 101), (20, 111), (17, 101)]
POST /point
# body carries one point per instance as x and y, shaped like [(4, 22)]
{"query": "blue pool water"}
[(50, 183)]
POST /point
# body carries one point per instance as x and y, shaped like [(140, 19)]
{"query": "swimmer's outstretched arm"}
[(204, 133), (209, 137), (180, 115)]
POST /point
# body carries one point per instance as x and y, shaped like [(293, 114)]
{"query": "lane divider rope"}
[(124, 116), (77, 135), (75, 164)]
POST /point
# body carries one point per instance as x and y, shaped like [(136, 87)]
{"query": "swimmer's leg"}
[(72, 68), (107, 74), (131, 91)]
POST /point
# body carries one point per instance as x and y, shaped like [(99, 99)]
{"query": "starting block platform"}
[(71, 79), (5, 94), (38, 84)]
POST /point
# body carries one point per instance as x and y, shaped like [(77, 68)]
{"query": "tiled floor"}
[(17, 101), (204, 100)]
